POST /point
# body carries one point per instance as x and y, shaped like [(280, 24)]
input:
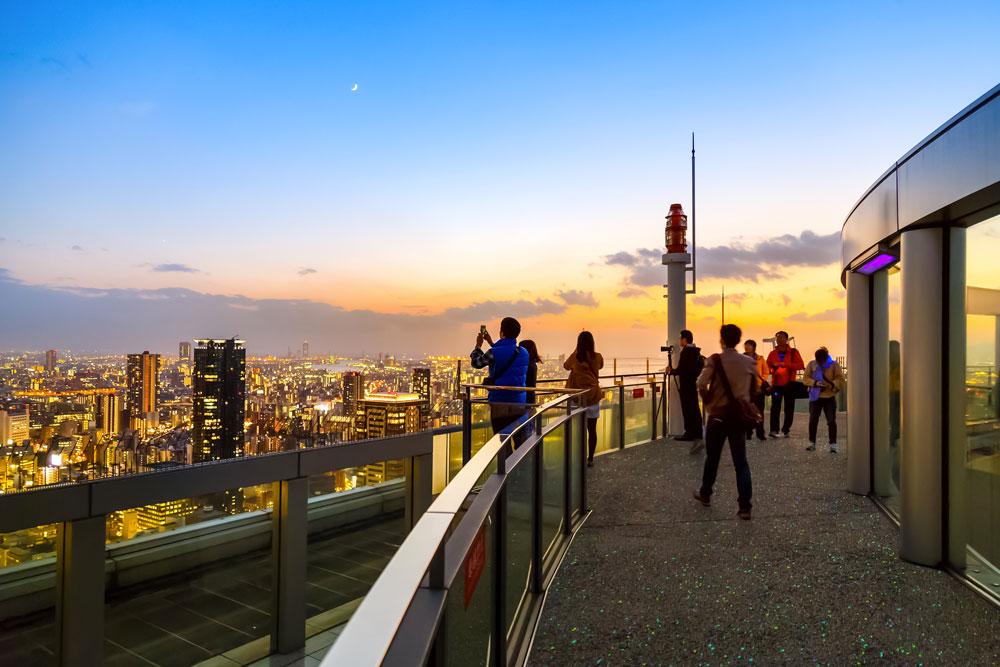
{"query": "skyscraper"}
[(305, 349), (184, 350), (384, 415), (219, 389), (353, 390), (51, 357), (142, 389), (421, 386), (108, 413)]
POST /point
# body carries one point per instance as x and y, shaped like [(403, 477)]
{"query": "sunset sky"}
[(180, 170)]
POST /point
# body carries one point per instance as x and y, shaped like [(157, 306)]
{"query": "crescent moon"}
[(354, 88)]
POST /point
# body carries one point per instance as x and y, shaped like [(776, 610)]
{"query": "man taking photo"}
[(689, 366), (508, 364)]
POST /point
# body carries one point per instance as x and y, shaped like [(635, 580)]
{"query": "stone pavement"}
[(655, 578)]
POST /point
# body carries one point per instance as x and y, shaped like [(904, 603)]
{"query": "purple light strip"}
[(877, 263)]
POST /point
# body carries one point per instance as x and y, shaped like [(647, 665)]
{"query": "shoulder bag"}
[(739, 410)]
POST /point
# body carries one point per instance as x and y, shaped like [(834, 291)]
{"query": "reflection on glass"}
[(888, 450), (982, 405)]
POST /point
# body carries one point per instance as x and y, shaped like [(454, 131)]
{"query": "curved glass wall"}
[(981, 474)]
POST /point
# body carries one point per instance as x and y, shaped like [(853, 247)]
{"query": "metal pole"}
[(290, 526), (621, 416), (536, 515), (80, 591), (583, 466), (567, 471), (694, 227), (467, 426), (652, 402), (500, 567)]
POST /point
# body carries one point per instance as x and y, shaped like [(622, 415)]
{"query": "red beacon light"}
[(676, 230)]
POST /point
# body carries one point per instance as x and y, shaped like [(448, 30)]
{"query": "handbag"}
[(491, 379), (740, 410)]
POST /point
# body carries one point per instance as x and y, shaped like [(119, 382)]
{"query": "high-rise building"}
[(108, 413), (421, 386), (384, 415), (15, 426), (51, 357), (184, 350), (219, 393), (305, 349), (353, 390), (142, 390)]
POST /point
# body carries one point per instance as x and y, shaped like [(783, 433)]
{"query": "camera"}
[(667, 348)]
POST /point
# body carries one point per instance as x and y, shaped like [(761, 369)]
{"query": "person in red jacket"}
[(784, 362)]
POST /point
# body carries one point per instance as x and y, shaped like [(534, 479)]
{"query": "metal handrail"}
[(369, 635), (55, 503)]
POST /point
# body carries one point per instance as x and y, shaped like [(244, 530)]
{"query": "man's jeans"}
[(777, 396), (716, 434), (827, 406)]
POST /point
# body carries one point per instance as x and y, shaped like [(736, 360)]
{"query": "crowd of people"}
[(730, 384)]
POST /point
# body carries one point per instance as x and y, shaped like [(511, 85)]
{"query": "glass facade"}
[(980, 473)]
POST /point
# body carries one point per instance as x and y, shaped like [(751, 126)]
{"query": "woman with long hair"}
[(533, 361), (584, 367)]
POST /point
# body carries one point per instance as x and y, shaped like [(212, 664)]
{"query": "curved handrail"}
[(369, 635)]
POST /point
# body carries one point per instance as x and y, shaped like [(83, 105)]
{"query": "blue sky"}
[(224, 137)]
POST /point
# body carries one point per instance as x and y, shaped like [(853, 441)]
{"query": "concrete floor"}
[(655, 578)]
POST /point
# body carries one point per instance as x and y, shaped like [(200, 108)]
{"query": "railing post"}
[(621, 416), (567, 473), (652, 401), (467, 426), (290, 527), (536, 514), (582, 418), (419, 476), (663, 408), (500, 567), (80, 591)]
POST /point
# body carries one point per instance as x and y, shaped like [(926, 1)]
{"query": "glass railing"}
[(194, 563)]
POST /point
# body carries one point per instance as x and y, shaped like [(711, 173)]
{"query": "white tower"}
[(676, 259)]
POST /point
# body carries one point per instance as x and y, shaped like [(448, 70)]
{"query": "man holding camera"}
[(689, 366), (508, 364)]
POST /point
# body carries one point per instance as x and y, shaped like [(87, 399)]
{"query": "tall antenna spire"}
[(694, 227), (723, 304)]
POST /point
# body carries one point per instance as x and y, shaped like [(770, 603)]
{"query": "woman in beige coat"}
[(584, 367)]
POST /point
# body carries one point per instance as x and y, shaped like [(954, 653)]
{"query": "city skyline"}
[(367, 219)]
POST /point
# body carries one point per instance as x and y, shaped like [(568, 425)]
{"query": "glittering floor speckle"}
[(654, 578)]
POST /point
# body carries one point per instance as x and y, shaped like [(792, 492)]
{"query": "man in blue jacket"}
[(508, 364)]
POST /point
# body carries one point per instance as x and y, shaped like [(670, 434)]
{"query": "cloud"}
[(620, 258), (632, 292), (738, 261), (123, 320), (489, 310), (76, 248), (831, 315), (174, 268), (576, 297), (305, 271), (785, 299)]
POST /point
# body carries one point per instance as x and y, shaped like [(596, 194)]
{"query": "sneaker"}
[(811, 447), (774, 434), (697, 446), (833, 448), (785, 435), (707, 502), (745, 515)]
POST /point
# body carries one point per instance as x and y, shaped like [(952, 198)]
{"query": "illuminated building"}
[(305, 349), (143, 384), (383, 415), (15, 426), (353, 390), (421, 386), (51, 357), (108, 414), (219, 393), (160, 515), (184, 350)]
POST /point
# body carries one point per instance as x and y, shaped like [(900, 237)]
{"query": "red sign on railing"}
[(475, 563), (638, 392)]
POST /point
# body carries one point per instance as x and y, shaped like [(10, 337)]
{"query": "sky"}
[(180, 170)]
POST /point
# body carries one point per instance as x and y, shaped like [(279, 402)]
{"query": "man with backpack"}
[(508, 364), (689, 367), (728, 385)]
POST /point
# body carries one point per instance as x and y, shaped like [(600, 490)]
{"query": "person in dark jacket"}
[(508, 364), (531, 379), (689, 366)]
